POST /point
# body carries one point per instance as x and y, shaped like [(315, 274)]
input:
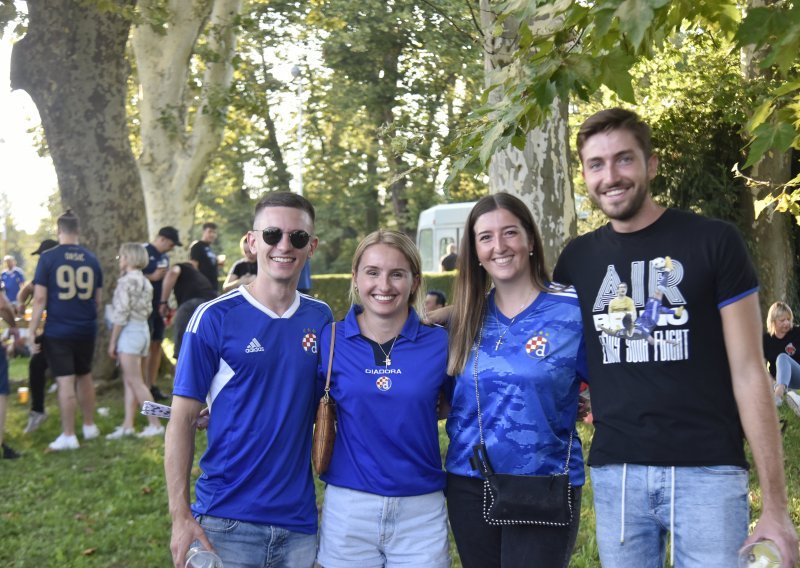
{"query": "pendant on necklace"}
[(498, 344), (388, 361)]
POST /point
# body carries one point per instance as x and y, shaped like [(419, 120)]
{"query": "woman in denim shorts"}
[(130, 335), (384, 502)]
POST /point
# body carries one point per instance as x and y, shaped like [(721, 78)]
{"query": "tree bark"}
[(540, 173), (771, 231), (72, 64), (180, 134)]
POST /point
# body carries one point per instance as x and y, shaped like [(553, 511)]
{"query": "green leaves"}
[(616, 76), (778, 136), (568, 49), (635, 16)]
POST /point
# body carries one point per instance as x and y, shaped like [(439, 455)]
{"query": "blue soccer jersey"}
[(12, 280), (257, 370), (529, 373), (155, 260), (387, 439), (72, 277)]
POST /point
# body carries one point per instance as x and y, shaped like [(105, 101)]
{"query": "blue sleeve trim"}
[(737, 298)]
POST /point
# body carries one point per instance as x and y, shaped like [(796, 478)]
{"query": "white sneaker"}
[(90, 432), (35, 420), (64, 442), (151, 431), (793, 401), (120, 432)]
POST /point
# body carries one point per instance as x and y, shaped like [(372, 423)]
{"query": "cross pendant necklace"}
[(497, 317), (387, 356), (388, 360)]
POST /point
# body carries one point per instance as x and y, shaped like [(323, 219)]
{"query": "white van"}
[(438, 227)]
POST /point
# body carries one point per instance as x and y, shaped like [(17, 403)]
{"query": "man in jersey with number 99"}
[(68, 283)]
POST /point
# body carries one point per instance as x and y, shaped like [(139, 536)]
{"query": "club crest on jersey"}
[(538, 345), (384, 383), (309, 340)]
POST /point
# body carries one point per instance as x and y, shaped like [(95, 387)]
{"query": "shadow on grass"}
[(105, 505)]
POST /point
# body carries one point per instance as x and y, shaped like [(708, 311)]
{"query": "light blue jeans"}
[(250, 545), (365, 530), (705, 506), (787, 371)]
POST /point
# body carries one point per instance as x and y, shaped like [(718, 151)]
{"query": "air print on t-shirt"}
[(647, 324)]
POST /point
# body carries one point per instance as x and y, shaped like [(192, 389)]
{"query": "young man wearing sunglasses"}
[(252, 354)]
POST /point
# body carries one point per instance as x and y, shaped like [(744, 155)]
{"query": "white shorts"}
[(134, 339)]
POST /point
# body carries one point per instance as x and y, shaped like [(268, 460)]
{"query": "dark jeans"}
[(37, 378), (481, 545)]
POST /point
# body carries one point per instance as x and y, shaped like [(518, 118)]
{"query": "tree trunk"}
[(72, 64), (772, 235), (540, 173), (771, 231), (179, 138)]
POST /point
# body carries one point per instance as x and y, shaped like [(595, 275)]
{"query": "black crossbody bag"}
[(520, 499)]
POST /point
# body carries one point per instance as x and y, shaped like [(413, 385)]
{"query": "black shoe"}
[(157, 394), (8, 453)]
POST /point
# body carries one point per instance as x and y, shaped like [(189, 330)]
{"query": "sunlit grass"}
[(105, 505)]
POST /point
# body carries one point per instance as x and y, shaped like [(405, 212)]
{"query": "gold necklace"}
[(497, 317)]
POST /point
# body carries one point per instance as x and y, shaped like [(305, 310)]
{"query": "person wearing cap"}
[(166, 240), (37, 365), (13, 278)]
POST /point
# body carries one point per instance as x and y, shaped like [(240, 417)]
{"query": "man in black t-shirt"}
[(203, 255), (448, 262), (670, 403), (191, 289), (155, 270)]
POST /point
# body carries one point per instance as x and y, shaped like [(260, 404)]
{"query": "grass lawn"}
[(105, 505)]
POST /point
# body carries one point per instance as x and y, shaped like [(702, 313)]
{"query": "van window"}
[(443, 244), (425, 245)]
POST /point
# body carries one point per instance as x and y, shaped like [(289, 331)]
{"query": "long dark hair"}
[(473, 282)]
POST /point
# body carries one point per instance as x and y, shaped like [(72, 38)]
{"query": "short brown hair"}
[(616, 119), (285, 199), (69, 223)]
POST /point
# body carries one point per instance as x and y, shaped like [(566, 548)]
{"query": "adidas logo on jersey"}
[(254, 346)]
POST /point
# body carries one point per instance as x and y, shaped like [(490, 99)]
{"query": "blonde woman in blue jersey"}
[(384, 504), (527, 369)]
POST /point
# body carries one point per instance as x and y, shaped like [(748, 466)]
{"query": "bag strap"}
[(327, 395), (480, 458)]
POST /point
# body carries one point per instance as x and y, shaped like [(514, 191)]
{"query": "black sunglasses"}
[(273, 235)]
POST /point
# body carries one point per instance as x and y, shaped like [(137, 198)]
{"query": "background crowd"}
[(506, 374)]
